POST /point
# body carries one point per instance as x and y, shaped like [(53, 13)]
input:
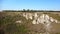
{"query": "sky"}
[(30, 4)]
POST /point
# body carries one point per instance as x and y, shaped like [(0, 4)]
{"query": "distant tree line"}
[(29, 10)]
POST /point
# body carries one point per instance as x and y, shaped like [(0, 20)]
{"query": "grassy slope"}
[(8, 22)]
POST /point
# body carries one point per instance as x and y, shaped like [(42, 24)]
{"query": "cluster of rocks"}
[(39, 18)]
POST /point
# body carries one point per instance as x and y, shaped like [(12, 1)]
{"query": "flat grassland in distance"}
[(8, 23)]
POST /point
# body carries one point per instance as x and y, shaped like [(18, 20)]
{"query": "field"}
[(21, 23)]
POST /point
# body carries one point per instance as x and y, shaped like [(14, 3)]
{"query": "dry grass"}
[(8, 19)]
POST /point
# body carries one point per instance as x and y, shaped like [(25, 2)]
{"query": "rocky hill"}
[(30, 22)]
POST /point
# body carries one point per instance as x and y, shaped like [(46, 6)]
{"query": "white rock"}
[(35, 15), (56, 21), (42, 16), (34, 22), (51, 19), (46, 17), (18, 21), (30, 16)]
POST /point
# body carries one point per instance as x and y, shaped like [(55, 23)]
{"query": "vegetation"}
[(9, 17), (9, 25)]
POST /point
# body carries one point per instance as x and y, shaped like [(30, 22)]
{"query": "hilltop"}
[(21, 22)]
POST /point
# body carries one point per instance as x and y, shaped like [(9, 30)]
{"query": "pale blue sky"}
[(30, 4)]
